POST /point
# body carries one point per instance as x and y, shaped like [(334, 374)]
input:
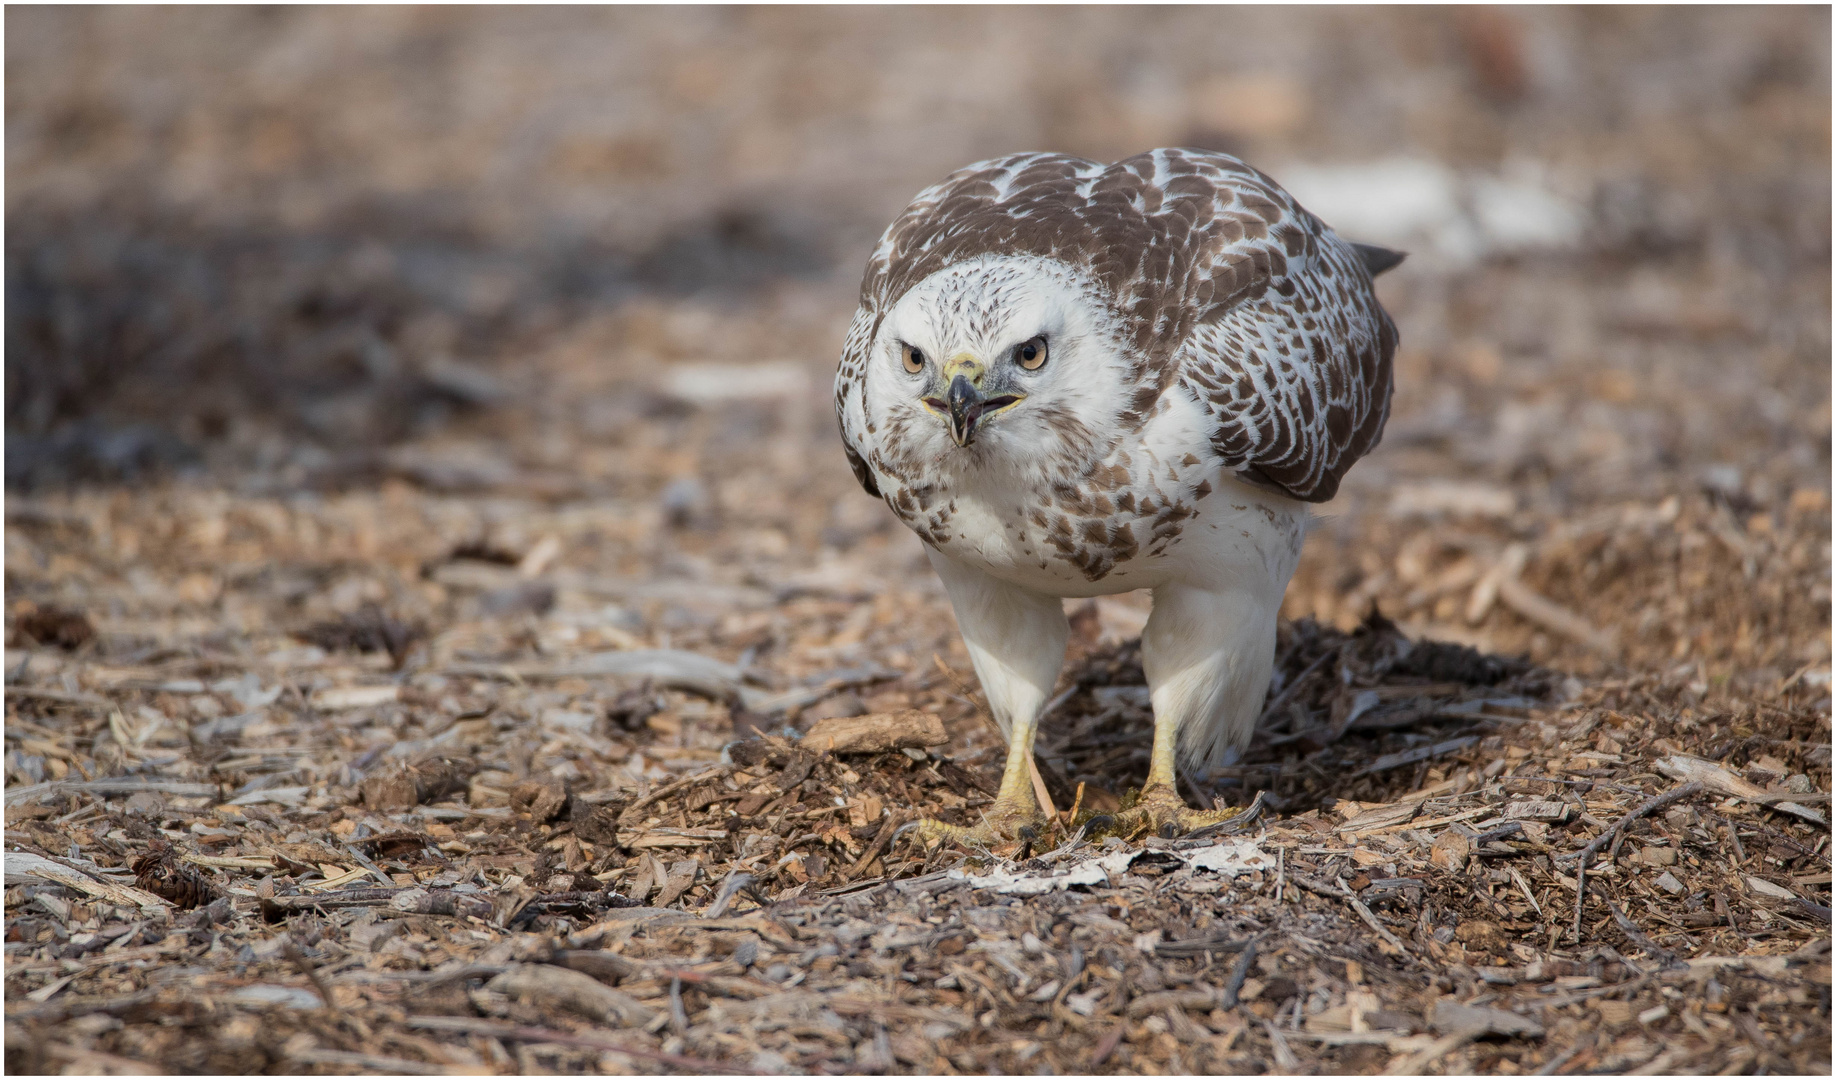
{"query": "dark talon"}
[(1169, 830), (1099, 825)]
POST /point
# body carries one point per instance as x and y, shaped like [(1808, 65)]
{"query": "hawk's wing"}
[(1228, 288), (848, 406), (1290, 353)]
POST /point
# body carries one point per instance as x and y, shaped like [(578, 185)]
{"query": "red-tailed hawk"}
[(1072, 379)]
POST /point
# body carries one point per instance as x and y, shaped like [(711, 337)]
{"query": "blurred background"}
[(450, 387), (598, 262)]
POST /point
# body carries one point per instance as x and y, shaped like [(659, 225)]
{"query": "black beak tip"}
[(964, 402)]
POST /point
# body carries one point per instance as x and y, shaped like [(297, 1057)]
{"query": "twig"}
[(1637, 937), (1284, 1054), (1538, 608), (1287, 691), (882, 842), (1039, 789), (729, 887), (1499, 833), (1315, 885), (1524, 886), (1203, 796), (1239, 972), (1107, 1046), (298, 960), (374, 870), (66, 696), (498, 1030), (678, 1016), (1440, 1048), (672, 787), (1053, 705), (372, 1063), (114, 786), (1611, 835), (1630, 986), (1554, 1064), (1370, 919), (1240, 820)]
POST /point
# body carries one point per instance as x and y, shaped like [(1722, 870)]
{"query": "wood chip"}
[(1718, 779), (549, 987), (354, 697), (876, 733), (23, 868)]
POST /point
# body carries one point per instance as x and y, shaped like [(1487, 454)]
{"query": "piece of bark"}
[(1550, 615), (1720, 780), (1450, 852), (1380, 817), (795, 772), (608, 967), (542, 802), (68, 630), (412, 901), (163, 874), (413, 785), (597, 824), (876, 733), (24, 868), (1450, 1017), (681, 876), (498, 1029), (771, 749), (1537, 810), (547, 986)]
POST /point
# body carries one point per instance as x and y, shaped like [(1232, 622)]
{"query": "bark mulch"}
[(631, 860)]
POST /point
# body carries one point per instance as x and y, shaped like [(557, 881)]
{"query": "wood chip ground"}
[(466, 735)]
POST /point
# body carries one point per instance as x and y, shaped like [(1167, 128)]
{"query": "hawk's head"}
[(999, 360)]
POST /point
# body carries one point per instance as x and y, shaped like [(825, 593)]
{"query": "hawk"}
[(1073, 379)]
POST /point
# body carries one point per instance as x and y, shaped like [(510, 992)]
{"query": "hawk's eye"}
[(914, 359), (1031, 355)]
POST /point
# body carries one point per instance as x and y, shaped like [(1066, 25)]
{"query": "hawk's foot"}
[(1156, 811), (1006, 826)]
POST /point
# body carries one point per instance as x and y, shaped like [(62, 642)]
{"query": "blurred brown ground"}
[(300, 300), (294, 248)]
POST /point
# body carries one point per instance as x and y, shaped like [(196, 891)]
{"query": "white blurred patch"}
[(1422, 206), (1522, 216), (1434, 498), (709, 384)]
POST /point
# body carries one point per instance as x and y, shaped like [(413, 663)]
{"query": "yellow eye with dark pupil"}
[(914, 360), (1032, 355)]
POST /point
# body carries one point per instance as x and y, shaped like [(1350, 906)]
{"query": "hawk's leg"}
[(1207, 655), (1016, 639)]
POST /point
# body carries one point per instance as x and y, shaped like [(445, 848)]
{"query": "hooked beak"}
[(963, 403)]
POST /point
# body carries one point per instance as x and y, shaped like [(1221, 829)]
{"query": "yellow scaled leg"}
[(1014, 817), (1158, 810)]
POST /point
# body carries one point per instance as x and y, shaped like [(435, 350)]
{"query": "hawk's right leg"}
[(1016, 638), (1207, 655)]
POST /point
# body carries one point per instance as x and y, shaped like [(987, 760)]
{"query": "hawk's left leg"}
[(1207, 655), (1016, 639)]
